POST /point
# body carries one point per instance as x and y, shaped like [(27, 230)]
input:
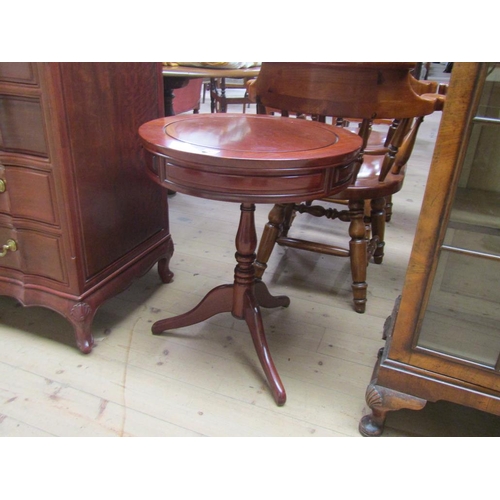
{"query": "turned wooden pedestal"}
[(247, 159)]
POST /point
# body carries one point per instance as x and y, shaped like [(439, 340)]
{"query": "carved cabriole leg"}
[(166, 275), (377, 217), (272, 231), (81, 316), (382, 400), (358, 249)]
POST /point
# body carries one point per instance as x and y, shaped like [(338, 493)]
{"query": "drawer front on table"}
[(22, 125), (33, 253), (18, 72), (28, 193)]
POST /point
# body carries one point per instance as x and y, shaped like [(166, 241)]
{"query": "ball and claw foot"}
[(369, 427)]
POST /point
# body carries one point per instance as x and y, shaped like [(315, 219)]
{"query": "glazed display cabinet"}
[(79, 219), (443, 338)]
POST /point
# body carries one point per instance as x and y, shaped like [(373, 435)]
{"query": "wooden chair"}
[(382, 139), (361, 91), (219, 99), (188, 98)]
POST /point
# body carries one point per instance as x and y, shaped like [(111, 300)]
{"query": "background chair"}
[(340, 93), (188, 98), (219, 99)]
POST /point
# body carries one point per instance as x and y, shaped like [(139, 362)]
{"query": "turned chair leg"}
[(288, 217), (358, 248), (388, 208), (378, 228), (272, 231)]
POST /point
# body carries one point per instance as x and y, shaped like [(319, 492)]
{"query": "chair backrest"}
[(362, 91), (357, 90)]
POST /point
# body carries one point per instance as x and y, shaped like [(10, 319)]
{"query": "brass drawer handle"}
[(10, 245), (3, 186)]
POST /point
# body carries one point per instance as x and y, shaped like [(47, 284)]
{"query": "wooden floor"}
[(206, 380)]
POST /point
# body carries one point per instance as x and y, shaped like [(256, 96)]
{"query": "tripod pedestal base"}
[(242, 299)]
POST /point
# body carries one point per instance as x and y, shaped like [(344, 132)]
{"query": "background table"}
[(176, 77)]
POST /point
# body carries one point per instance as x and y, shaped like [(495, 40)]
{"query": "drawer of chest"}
[(32, 253), (22, 125), (28, 193), (18, 72)]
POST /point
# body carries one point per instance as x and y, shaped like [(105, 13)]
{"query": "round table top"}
[(240, 157)]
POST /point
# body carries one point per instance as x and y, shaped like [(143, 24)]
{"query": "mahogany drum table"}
[(247, 159)]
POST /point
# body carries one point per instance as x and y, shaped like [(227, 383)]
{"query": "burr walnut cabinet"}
[(79, 219), (443, 338)]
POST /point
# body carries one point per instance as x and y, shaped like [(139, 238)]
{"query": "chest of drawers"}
[(79, 219)]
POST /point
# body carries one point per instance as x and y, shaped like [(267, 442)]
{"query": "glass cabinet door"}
[(463, 312)]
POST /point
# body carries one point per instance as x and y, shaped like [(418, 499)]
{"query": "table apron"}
[(254, 188)]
